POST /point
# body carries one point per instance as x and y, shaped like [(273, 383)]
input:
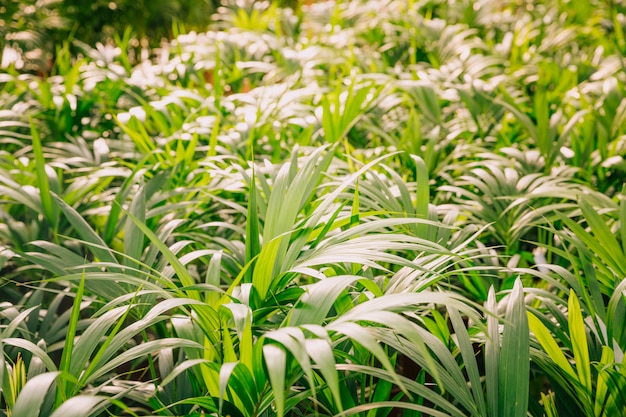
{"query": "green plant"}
[(352, 208)]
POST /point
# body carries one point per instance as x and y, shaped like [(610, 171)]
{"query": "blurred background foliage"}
[(31, 31)]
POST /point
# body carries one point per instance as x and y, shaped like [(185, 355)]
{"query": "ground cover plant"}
[(369, 208)]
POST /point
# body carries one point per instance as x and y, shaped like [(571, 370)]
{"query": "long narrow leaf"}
[(514, 371), (31, 398)]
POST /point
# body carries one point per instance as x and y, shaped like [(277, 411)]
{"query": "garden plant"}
[(356, 208)]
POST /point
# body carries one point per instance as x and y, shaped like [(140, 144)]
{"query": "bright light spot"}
[(100, 147), (567, 152), (139, 113), (123, 117)]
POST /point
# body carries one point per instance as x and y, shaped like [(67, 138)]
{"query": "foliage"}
[(371, 208), (31, 31)]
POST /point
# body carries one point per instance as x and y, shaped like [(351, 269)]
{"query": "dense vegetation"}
[(370, 208)]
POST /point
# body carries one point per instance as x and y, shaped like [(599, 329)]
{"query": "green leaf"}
[(50, 209), (79, 406), (226, 371), (92, 337), (275, 360), (469, 360), (263, 275), (320, 351), (179, 369), (521, 117), (579, 343), (133, 236), (66, 357), (139, 351), (32, 348), (602, 397), (514, 372), (422, 198), (253, 245), (17, 321), (32, 396), (365, 338), (549, 404), (622, 223), (549, 345), (86, 232), (354, 214), (492, 354), (318, 299), (403, 405), (183, 275), (612, 250)]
